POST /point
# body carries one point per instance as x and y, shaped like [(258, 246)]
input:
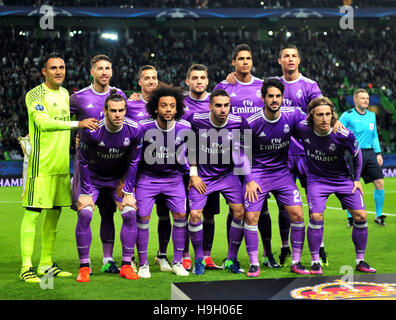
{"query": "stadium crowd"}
[(332, 62), (206, 3)]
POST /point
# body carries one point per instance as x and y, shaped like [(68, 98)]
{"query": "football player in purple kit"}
[(272, 128), (299, 91), (148, 81), (328, 173), (214, 131), (245, 95), (107, 155), (161, 172), (88, 103), (197, 100)]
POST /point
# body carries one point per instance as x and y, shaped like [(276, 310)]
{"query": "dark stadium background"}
[(339, 60)]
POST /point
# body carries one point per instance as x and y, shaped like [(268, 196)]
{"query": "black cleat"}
[(285, 253)]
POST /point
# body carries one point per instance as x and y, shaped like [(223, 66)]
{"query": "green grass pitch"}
[(380, 252)]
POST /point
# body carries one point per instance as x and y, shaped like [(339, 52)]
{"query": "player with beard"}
[(216, 138), (148, 82), (161, 172), (245, 94), (88, 103), (272, 128), (107, 155), (197, 100)]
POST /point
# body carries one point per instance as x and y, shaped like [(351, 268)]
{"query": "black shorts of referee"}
[(371, 170)]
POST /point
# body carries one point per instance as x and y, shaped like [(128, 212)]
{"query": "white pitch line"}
[(340, 209), (305, 205)]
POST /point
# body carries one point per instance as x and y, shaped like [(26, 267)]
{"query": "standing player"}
[(197, 100), (160, 172), (48, 176), (271, 129), (245, 95), (299, 91), (362, 122), (327, 174), (214, 131), (86, 103), (106, 156), (148, 81)]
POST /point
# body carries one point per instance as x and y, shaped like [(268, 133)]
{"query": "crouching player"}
[(328, 174), (214, 171), (106, 156), (161, 172)]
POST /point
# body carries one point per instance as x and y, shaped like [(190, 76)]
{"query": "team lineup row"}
[(114, 147)]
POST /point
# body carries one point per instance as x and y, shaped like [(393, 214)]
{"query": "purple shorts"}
[(104, 195), (229, 185), (282, 186), (318, 193), (148, 187), (99, 189)]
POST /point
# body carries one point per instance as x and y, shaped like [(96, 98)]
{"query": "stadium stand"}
[(339, 61), (205, 3)]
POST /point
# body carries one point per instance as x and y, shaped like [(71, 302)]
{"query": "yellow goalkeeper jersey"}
[(49, 130)]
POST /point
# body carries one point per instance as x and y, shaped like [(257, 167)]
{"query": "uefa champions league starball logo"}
[(341, 290), (177, 13)]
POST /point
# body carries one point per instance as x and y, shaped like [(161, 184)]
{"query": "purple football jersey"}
[(87, 103), (218, 149), (163, 152), (192, 105), (106, 156), (299, 93), (325, 155), (137, 109), (271, 139), (245, 98)]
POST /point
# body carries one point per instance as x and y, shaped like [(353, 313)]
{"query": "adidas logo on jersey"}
[(90, 106), (307, 141), (101, 144), (140, 114), (233, 94), (262, 134)]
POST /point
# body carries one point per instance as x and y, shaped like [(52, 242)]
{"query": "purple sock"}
[(359, 238), (251, 241), (178, 238), (236, 237), (315, 237), (128, 233), (142, 240), (297, 235), (195, 231), (84, 234)]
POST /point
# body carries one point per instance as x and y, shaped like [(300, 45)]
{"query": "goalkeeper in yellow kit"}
[(48, 185)]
